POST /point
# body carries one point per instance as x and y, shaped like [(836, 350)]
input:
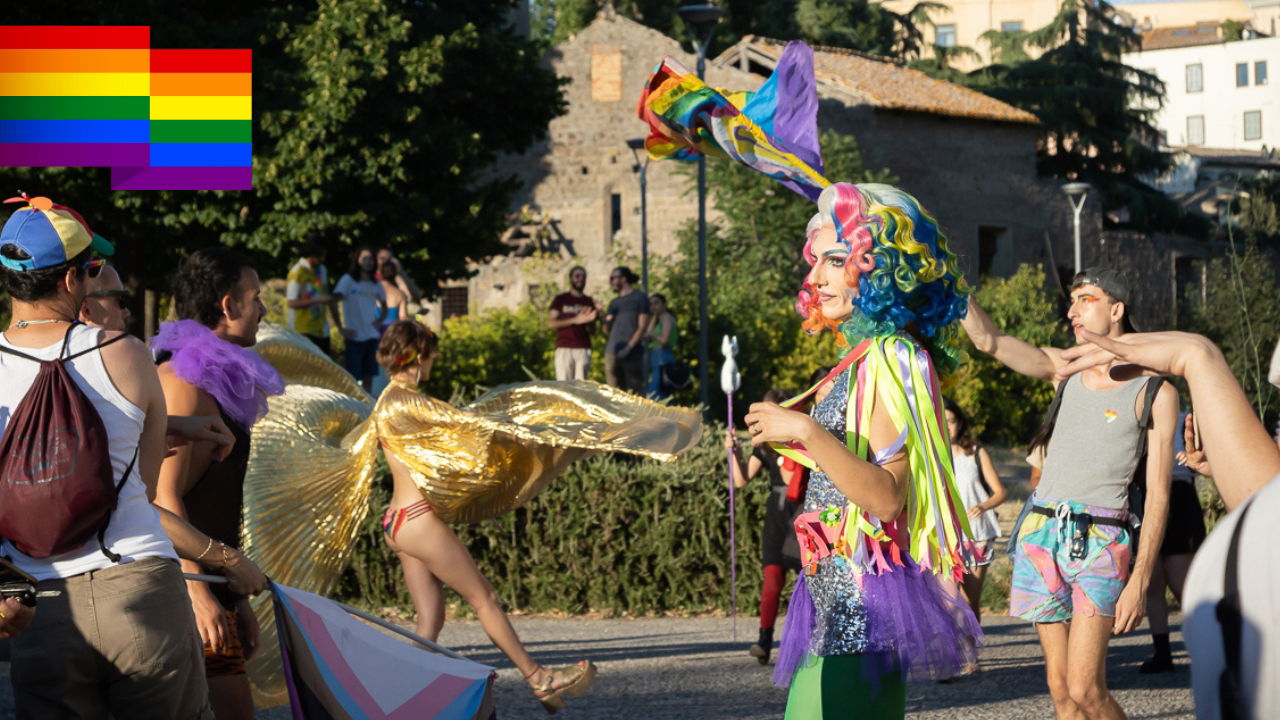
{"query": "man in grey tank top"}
[(1074, 549)]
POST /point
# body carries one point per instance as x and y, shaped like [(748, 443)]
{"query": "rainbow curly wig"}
[(905, 277)]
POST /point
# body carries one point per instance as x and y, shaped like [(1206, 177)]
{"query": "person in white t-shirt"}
[(363, 305), (1231, 620), (981, 492)]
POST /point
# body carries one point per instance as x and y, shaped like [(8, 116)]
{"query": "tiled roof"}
[(881, 82), (1205, 33)]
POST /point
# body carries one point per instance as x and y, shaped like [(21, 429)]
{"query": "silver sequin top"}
[(841, 627)]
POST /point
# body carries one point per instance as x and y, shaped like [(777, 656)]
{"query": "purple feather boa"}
[(238, 378)]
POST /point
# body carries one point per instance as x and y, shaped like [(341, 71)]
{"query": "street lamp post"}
[(1077, 190), (636, 145), (709, 16)]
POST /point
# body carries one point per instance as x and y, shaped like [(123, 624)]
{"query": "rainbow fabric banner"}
[(82, 96), (773, 131)]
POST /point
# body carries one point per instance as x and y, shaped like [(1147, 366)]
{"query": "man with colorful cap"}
[(1074, 548), (113, 632)]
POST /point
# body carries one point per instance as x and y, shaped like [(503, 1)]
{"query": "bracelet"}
[(206, 550), (227, 557)]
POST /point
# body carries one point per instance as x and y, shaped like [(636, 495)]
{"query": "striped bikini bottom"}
[(395, 518)]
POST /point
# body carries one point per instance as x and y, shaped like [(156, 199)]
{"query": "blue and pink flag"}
[(337, 667)]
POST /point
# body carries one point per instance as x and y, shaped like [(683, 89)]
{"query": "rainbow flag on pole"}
[(337, 667), (87, 96)]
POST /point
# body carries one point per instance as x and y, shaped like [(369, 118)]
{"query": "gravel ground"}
[(692, 668)]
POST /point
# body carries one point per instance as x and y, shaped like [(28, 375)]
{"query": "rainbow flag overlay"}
[(89, 96)]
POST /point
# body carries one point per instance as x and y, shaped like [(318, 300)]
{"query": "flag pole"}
[(730, 380)]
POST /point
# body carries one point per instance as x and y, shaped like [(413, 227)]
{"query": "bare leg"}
[(231, 697), (1054, 642), (1087, 667), (427, 594), (1157, 606), (973, 589), (1175, 572), (430, 541)]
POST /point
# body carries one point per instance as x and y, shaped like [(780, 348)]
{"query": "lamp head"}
[(635, 143), (700, 14), (1076, 189)]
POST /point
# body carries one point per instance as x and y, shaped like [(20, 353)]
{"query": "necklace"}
[(20, 324)]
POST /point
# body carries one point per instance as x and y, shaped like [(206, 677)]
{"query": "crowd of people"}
[(881, 497)]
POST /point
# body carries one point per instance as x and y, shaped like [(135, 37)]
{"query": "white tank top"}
[(969, 483), (135, 531)]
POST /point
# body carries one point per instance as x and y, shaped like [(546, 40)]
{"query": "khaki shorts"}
[(119, 641), (573, 363)]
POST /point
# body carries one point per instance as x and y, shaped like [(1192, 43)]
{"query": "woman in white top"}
[(981, 492)]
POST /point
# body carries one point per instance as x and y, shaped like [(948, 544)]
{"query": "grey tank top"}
[(1094, 448)]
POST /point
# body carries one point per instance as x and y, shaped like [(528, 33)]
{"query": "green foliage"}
[(612, 534), (1232, 30), (866, 26), (497, 346), (1241, 314), (1097, 112), (754, 271), (1003, 405), (374, 123)]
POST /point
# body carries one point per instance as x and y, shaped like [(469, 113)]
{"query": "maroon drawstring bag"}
[(56, 486)]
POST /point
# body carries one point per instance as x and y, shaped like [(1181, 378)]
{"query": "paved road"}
[(654, 669), (678, 668)]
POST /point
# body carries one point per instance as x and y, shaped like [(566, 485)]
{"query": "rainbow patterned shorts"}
[(1049, 585)]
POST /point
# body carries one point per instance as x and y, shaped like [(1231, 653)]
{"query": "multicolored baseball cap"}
[(49, 234)]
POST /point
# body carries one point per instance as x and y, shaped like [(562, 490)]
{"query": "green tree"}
[(1005, 406), (754, 272), (866, 26), (374, 123), (1096, 111)]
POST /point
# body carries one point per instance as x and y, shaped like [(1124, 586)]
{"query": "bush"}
[(1004, 406), (613, 534), (491, 348)]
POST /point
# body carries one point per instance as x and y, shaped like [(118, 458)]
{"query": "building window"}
[(1242, 74), (1195, 78), (1011, 26), (988, 247), (946, 36), (1253, 125), (1195, 130), (1260, 72), (453, 302), (615, 213)]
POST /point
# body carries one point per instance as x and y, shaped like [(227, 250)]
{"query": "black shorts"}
[(1185, 531), (778, 544)]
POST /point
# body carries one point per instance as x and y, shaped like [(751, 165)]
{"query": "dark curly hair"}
[(34, 285), (205, 277), (405, 342)]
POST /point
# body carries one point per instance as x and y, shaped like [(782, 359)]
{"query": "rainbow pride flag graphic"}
[(90, 96)]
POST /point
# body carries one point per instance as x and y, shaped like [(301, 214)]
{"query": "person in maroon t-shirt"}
[(573, 315)]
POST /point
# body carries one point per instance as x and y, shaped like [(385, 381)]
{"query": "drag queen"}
[(882, 530)]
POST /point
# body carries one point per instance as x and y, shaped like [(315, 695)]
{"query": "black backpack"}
[(57, 489)]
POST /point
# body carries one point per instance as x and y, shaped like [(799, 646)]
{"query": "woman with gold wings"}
[(314, 458)]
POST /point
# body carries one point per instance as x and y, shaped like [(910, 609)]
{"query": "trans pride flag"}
[(85, 96), (773, 130), (338, 668)]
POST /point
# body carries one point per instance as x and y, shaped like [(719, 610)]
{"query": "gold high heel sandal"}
[(575, 678)]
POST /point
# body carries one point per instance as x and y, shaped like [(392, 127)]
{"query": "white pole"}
[(1077, 208)]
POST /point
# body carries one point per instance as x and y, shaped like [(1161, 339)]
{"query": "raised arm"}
[(1019, 356)]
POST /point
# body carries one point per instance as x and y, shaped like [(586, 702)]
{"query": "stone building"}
[(970, 159)]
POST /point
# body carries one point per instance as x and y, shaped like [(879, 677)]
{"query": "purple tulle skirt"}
[(926, 625)]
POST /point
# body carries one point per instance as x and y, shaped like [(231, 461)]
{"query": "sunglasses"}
[(121, 296), (93, 268)]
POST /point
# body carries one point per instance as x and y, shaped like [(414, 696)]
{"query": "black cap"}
[(1112, 283)]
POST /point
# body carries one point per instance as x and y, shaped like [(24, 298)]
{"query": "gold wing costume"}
[(313, 461)]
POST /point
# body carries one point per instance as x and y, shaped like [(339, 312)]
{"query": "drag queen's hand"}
[(770, 422)]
